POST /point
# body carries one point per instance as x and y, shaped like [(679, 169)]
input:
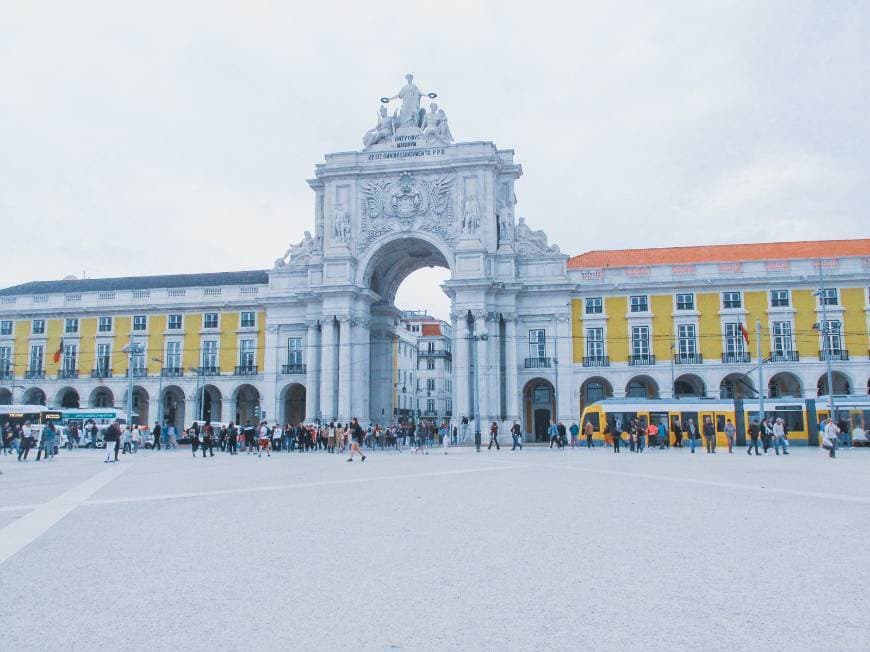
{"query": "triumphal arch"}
[(412, 197)]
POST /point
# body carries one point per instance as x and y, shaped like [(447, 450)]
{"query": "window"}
[(430, 405), (173, 322), (828, 297), (6, 327), (639, 303), (687, 343), (104, 325), (70, 356), (782, 342), (104, 356), (430, 347), (173, 355), (248, 319), (731, 300), (209, 354), (5, 360), (210, 320), (594, 306), (834, 335), (430, 384), (430, 364), (38, 327), (247, 353), (71, 326), (594, 342), (140, 322), (779, 298), (294, 351), (685, 302), (640, 340), (537, 343), (137, 361), (36, 356), (733, 340)]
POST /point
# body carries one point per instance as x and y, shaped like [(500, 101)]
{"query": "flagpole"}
[(760, 370)]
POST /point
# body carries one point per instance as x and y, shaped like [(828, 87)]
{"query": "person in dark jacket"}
[(709, 435), (111, 438), (207, 439), (155, 433), (516, 435), (357, 434), (754, 431), (493, 436), (678, 434)]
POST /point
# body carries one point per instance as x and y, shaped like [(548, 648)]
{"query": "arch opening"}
[(34, 396), (173, 407), (841, 382), (642, 387), (784, 385), (737, 386), (101, 397), (247, 402), (539, 405), (293, 404), (689, 386), (67, 397)]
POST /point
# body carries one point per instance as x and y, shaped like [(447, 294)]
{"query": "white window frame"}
[(172, 358), (728, 297), (833, 330), (247, 352), (679, 295), (71, 322), (210, 357), (70, 357), (687, 340), (33, 327), (7, 327), (829, 297), (105, 324), (778, 296), (734, 343), (103, 357), (638, 303), (640, 341), (593, 306), (217, 317), (169, 325), (595, 342), (133, 323), (537, 343), (295, 354), (253, 315), (39, 351), (782, 344)]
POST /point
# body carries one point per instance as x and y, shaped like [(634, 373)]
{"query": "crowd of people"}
[(635, 435)]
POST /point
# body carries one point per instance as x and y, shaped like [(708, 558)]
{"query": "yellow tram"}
[(801, 416)]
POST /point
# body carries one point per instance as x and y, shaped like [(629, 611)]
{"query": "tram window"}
[(866, 422), (685, 416), (592, 417), (720, 423), (621, 420)]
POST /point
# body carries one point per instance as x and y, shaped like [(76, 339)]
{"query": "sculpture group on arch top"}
[(412, 200)]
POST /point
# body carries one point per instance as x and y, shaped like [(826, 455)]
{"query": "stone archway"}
[(539, 408), (209, 404), (784, 385), (33, 396), (101, 397), (737, 385), (141, 405), (842, 384), (689, 386), (246, 399), (173, 405), (293, 404), (596, 388), (67, 397), (641, 387), (5, 396)]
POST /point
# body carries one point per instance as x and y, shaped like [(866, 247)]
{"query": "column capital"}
[(312, 323), (479, 315), (509, 316)]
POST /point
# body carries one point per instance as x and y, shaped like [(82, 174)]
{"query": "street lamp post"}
[(132, 349), (826, 345), (159, 393), (760, 370), (199, 401)]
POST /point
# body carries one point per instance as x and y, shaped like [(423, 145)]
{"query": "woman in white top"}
[(830, 438)]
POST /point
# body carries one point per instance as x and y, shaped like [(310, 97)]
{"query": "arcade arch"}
[(209, 403), (784, 385), (246, 399), (641, 387), (67, 397), (173, 406), (293, 403), (539, 406), (5, 396), (594, 389), (842, 384), (689, 386), (737, 385), (33, 396), (101, 397)]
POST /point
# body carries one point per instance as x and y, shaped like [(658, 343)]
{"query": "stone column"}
[(312, 386), (511, 370), (345, 368), (268, 392), (360, 342), (461, 372), (483, 370), (563, 371), (493, 382), (328, 375)]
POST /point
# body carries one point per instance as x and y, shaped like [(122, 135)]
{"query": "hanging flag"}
[(744, 333), (59, 352)]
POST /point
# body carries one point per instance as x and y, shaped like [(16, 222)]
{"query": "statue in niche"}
[(341, 224), (384, 130), (505, 224), (470, 216)]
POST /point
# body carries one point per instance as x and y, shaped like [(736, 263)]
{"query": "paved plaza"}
[(538, 549)]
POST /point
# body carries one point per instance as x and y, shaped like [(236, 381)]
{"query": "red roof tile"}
[(721, 253), (430, 330)]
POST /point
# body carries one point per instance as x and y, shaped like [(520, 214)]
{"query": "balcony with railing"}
[(5, 371), (293, 369), (596, 361), (641, 360), (171, 372), (101, 372), (784, 356), (438, 353), (538, 363), (735, 358), (34, 373), (68, 373), (837, 355), (138, 372), (209, 371), (246, 370), (688, 358)]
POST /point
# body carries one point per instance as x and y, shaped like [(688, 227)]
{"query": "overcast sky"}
[(169, 137)]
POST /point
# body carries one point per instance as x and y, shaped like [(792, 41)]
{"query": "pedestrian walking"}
[(730, 435), (357, 434), (517, 436), (264, 440), (692, 431), (47, 442), (678, 434), (553, 435), (709, 435), (155, 434), (493, 436), (754, 433), (664, 438), (207, 439), (111, 437), (589, 431), (779, 437), (831, 437), (26, 441)]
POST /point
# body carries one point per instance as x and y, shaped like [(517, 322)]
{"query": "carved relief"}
[(533, 243)]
